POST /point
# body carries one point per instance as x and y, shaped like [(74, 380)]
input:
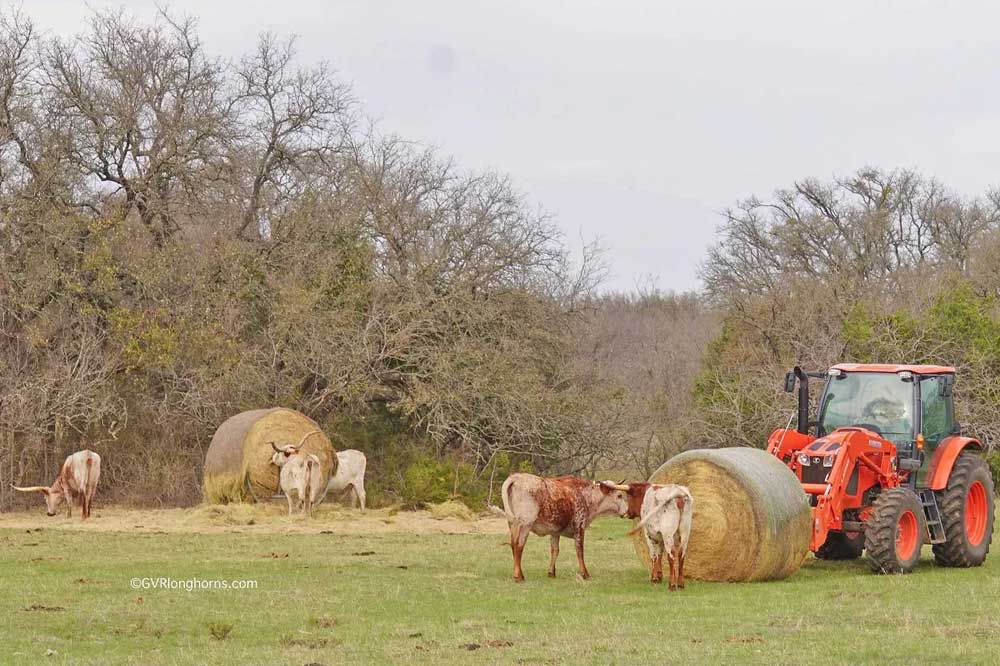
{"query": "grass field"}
[(408, 589)]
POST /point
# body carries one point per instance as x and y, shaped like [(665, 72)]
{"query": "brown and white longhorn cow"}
[(666, 512), (77, 482), (563, 506)]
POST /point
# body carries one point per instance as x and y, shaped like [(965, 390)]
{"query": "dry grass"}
[(451, 510), (258, 518)]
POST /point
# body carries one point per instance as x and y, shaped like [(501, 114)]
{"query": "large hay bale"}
[(238, 463), (751, 517)]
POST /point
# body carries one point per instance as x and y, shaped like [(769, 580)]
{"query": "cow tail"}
[(506, 496)]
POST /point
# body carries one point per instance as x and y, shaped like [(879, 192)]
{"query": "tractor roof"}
[(876, 367)]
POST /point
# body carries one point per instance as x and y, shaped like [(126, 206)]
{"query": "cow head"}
[(636, 491), (54, 495), (281, 455), (615, 498)]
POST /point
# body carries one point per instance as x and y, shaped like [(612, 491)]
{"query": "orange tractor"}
[(885, 468)]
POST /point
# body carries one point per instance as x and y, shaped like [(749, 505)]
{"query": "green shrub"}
[(429, 481), (405, 470), (993, 458)]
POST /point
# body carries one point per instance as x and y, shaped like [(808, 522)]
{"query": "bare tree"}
[(146, 109)]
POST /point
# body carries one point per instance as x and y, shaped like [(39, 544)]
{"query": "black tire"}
[(842, 546), (890, 509), (957, 551)]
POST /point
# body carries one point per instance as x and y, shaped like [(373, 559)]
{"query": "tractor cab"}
[(884, 461), (910, 406)]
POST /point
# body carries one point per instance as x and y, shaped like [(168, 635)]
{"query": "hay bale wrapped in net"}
[(751, 518), (238, 463)]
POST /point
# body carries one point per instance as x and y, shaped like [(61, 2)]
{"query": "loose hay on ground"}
[(238, 462), (751, 519), (451, 509)]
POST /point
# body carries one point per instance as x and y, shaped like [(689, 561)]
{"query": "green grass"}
[(404, 598)]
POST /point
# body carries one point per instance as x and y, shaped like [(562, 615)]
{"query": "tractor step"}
[(935, 528)]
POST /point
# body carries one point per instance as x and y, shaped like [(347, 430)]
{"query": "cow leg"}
[(288, 496), (555, 553), (360, 492), (654, 558), (86, 507), (518, 536), (671, 552), (584, 574), (680, 566)]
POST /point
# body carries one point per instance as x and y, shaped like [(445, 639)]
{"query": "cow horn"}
[(32, 489), (621, 486), (275, 447)]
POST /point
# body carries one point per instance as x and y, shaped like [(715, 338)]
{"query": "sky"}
[(639, 122)]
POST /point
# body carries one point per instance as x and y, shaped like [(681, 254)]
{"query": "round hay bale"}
[(238, 462), (751, 520)]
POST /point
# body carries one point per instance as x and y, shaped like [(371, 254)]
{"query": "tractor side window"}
[(937, 417)]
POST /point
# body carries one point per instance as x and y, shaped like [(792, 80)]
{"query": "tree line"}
[(183, 237)]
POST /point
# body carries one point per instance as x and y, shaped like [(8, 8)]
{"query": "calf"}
[(350, 476), (301, 474), (564, 506), (77, 482), (665, 512)]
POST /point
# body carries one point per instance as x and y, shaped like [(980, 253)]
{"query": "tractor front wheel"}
[(842, 546), (895, 531), (967, 513)]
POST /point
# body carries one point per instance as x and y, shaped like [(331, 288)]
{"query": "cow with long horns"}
[(559, 507), (77, 482), (666, 512), (301, 476)]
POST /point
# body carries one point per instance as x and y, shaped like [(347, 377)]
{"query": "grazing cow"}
[(665, 512), (564, 506), (301, 475), (350, 476), (77, 482)]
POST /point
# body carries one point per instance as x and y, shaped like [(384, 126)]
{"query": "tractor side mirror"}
[(944, 386), (789, 382)]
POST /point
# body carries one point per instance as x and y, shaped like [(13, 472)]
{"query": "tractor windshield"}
[(878, 399)]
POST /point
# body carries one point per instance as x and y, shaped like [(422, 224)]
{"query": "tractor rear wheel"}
[(842, 546), (895, 531), (967, 513)]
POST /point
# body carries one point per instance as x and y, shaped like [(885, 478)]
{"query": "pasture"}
[(395, 588)]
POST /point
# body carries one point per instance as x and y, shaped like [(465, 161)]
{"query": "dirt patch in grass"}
[(308, 642), (267, 518), (489, 644), (746, 640), (39, 608)]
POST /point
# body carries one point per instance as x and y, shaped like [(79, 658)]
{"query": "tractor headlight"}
[(828, 461), (804, 459)]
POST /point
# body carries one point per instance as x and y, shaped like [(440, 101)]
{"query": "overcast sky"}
[(638, 122)]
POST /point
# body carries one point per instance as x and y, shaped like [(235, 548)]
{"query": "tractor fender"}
[(944, 459)]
